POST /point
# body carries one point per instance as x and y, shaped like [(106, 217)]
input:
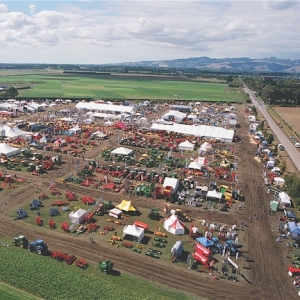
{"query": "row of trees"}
[(276, 91)]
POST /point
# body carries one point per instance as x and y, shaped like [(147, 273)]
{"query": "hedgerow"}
[(48, 279)]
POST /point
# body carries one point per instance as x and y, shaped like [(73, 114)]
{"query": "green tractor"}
[(21, 241), (154, 214), (106, 266)]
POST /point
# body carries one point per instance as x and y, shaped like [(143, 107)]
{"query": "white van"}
[(297, 145)]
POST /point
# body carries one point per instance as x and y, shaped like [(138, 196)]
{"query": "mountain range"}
[(242, 64)]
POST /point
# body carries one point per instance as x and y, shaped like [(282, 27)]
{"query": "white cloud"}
[(118, 31)]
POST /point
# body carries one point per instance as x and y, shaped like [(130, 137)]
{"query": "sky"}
[(116, 31)]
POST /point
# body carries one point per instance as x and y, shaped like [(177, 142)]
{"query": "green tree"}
[(11, 92), (270, 139)]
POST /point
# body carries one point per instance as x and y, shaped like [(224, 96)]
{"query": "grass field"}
[(81, 87), (8, 292), (49, 279)]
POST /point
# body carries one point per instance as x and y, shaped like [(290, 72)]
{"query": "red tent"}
[(120, 125)]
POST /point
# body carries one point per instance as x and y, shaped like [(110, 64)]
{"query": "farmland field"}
[(9, 292), (290, 115), (66, 282), (117, 87)]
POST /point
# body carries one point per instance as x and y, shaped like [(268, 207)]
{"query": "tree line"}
[(276, 91)]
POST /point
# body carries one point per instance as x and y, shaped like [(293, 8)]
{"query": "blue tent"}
[(204, 241), (295, 231)]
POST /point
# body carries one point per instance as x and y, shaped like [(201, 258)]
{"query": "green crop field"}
[(64, 86), (48, 279), (8, 292)]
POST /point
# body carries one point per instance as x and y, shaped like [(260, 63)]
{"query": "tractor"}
[(38, 246), (21, 240), (231, 247), (217, 247), (106, 266), (154, 214)]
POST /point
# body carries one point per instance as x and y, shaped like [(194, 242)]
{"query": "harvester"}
[(38, 246), (106, 266), (21, 241)]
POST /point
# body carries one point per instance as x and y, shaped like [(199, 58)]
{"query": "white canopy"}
[(122, 151), (186, 146), (195, 165), (178, 116), (174, 225), (136, 232), (211, 132), (214, 194), (104, 107), (8, 150), (173, 182), (284, 199), (77, 216)]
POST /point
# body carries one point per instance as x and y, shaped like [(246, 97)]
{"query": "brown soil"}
[(263, 265)]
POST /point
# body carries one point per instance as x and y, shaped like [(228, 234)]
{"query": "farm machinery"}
[(106, 266), (36, 204), (38, 246), (21, 241), (154, 214), (21, 213), (71, 196), (61, 256), (81, 263)]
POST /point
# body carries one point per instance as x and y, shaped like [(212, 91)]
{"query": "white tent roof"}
[(134, 231), (174, 225), (177, 115), (104, 107), (11, 133), (284, 199), (173, 182), (77, 216), (122, 151), (279, 180), (214, 194), (8, 150), (201, 130), (195, 165), (20, 132), (186, 146)]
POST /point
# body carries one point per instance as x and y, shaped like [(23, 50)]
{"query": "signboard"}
[(232, 263)]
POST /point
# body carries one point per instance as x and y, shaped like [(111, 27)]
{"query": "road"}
[(293, 153)]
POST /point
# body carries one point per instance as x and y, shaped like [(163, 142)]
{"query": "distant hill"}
[(242, 64)]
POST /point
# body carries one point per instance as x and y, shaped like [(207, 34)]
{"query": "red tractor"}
[(71, 196)]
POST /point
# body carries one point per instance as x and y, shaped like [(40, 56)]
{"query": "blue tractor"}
[(39, 247), (231, 247), (217, 246)]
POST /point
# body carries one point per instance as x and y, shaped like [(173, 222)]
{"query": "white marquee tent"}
[(186, 146), (136, 232), (102, 107), (174, 225), (8, 150), (78, 216), (214, 194), (122, 151), (210, 132)]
